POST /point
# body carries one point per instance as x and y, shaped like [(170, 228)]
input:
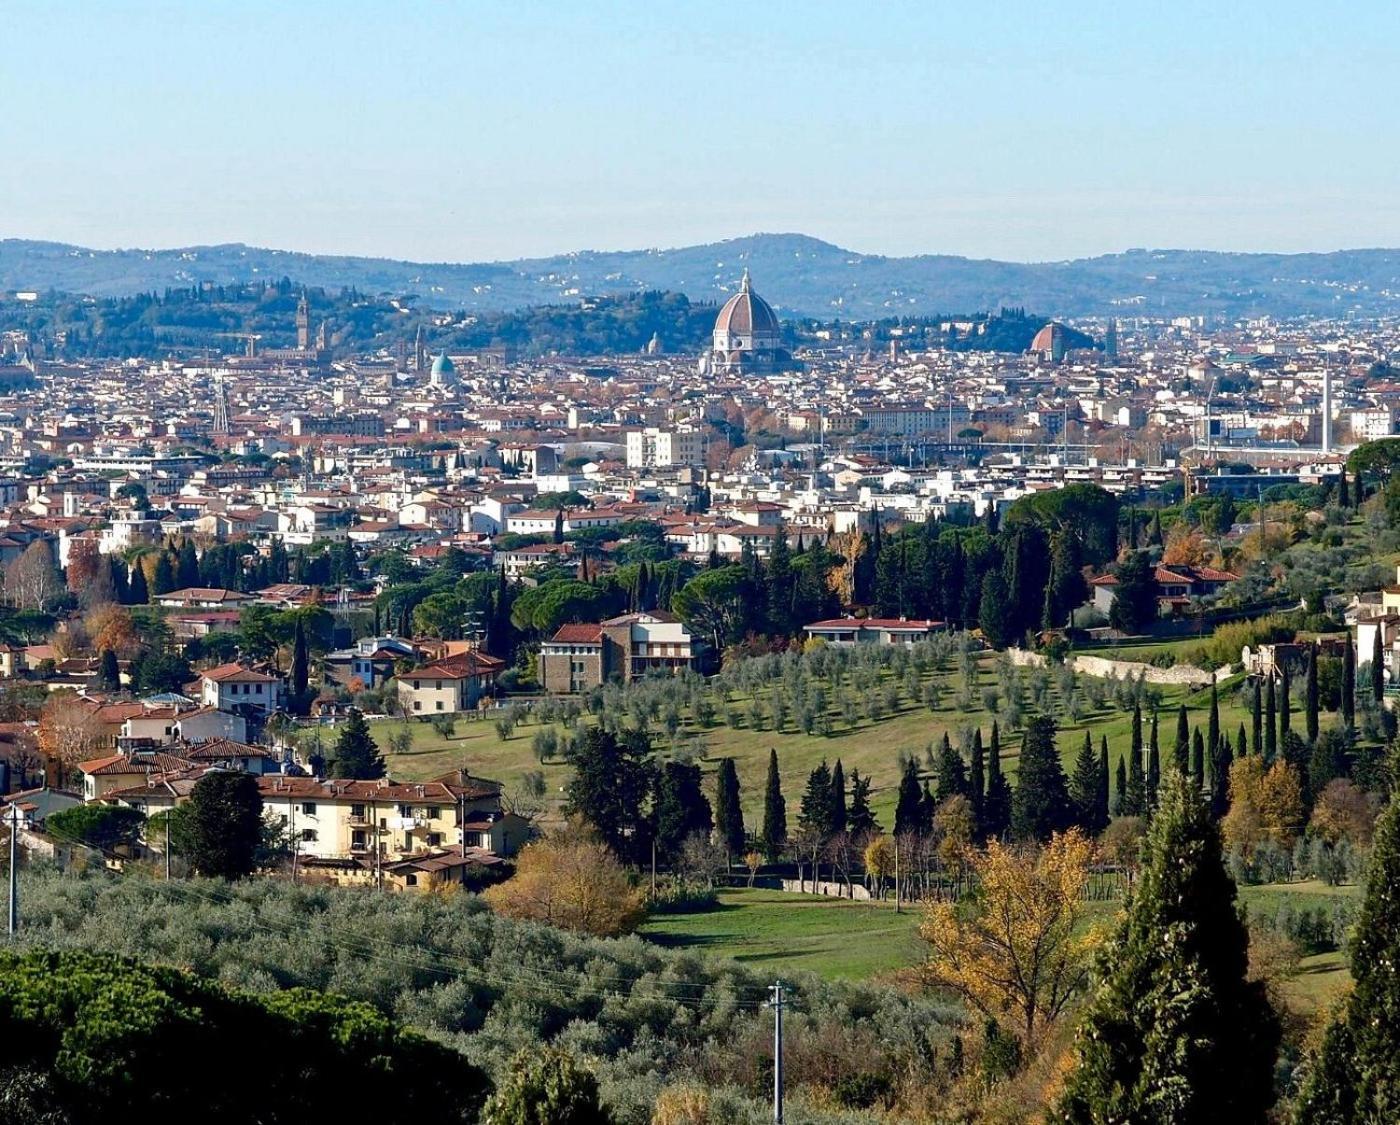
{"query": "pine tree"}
[(1040, 804), (996, 806), (1084, 789), (1198, 760), (774, 812), (356, 754), (909, 807), (1356, 1076), (1270, 723), (1349, 686), (1181, 751), (1310, 701), (729, 815), (1174, 1030), (836, 815), (860, 820)]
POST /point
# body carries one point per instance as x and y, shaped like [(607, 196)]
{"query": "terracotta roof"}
[(578, 634), (236, 673)]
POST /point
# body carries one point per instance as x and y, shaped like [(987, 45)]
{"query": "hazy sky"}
[(493, 130)]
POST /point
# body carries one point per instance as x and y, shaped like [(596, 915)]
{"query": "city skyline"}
[(1033, 133)]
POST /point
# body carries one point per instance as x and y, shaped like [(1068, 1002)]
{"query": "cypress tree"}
[(163, 578), (951, 775), (1220, 779), (836, 817), (774, 812), (187, 566), (1135, 796), (1154, 767), (977, 775), (1084, 789), (1213, 730), (1136, 736), (814, 814), (1040, 804), (1181, 752), (1198, 760), (1256, 743), (908, 812), (301, 668), (1120, 795), (680, 809), (729, 816), (1285, 703), (1241, 743), (1356, 1076), (1377, 666), (108, 674), (1270, 724), (1349, 686), (860, 820), (996, 806), (1175, 1031), (1310, 699), (1102, 804), (1343, 492), (137, 590)]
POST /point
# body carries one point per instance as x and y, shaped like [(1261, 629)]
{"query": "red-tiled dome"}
[(746, 313)]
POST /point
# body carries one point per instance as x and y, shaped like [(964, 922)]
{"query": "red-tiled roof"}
[(578, 634)]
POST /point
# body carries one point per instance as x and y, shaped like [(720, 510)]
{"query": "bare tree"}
[(31, 581)]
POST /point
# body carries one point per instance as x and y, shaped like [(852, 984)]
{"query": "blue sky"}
[(492, 130)]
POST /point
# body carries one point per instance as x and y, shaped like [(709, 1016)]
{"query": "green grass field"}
[(834, 938), (871, 747)]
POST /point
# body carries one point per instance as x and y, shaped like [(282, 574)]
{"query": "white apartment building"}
[(653, 448)]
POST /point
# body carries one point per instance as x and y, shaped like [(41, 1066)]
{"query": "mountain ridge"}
[(799, 274)]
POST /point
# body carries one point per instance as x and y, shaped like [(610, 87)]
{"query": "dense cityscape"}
[(637, 566)]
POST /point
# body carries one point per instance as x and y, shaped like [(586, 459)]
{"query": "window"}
[(357, 839), (308, 835), (308, 808), (434, 839), (405, 810), (357, 810), (417, 684), (439, 704), (410, 880), (418, 705)]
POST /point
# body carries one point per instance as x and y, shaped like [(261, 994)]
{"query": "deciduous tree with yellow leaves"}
[(1266, 803), (571, 880), (1013, 951)]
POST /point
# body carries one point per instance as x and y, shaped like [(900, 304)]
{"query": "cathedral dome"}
[(747, 314), (442, 368)]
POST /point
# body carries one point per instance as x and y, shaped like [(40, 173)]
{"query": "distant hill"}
[(800, 276)]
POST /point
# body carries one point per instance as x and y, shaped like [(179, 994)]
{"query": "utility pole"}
[(777, 1005), (14, 869)]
